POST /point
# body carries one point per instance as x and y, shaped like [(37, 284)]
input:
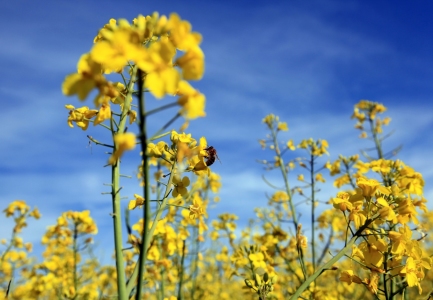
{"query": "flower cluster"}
[(165, 49)]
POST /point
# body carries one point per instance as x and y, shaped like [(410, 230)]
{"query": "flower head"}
[(180, 186), (137, 202), (124, 141), (81, 116)]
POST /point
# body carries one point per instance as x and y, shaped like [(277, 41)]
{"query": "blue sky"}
[(309, 63)]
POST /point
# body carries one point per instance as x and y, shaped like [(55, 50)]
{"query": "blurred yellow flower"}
[(88, 76), (137, 202), (282, 126), (124, 141), (291, 145), (195, 211), (192, 101), (192, 64), (181, 35), (349, 277)]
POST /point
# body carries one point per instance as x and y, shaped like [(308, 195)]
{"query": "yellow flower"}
[(110, 26), (357, 115), (181, 35), (280, 196), (383, 166), (357, 216), (124, 141), (195, 211), (421, 204), (153, 253), (81, 116), (362, 167), (372, 282), (88, 76), (156, 150), (270, 119), (103, 114), (239, 259), (347, 276), (400, 239), (386, 211), (183, 151), (257, 259), (334, 167), (35, 214), (192, 64), (132, 116), (304, 144), (290, 145), (191, 101), (406, 212), (368, 186), (356, 197), (137, 202), (373, 250), (114, 52), (224, 255), (197, 163), (282, 126), (411, 180), (17, 205), (161, 77), (121, 92), (319, 177), (411, 272), (182, 137), (342, 202), (302, 241), (180, 186), (147, 27)]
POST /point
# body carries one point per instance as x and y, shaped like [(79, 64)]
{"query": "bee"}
[(211, 156)]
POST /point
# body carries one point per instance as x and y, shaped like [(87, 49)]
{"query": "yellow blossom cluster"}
[(165, 49)]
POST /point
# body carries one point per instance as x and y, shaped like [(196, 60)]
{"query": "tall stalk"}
[(115, 194), (145, 238), (313, 212)]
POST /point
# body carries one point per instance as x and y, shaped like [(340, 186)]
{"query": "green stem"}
[(182, 267), (115, 180), (286, 179), (120, 268), (376, 139), (9, 247), (145, 238), (301, 261), (161, 108), (163, 273), (99, 143), (75, 250), (313, 243), (155, 137), (145, 244), (195, 263)]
